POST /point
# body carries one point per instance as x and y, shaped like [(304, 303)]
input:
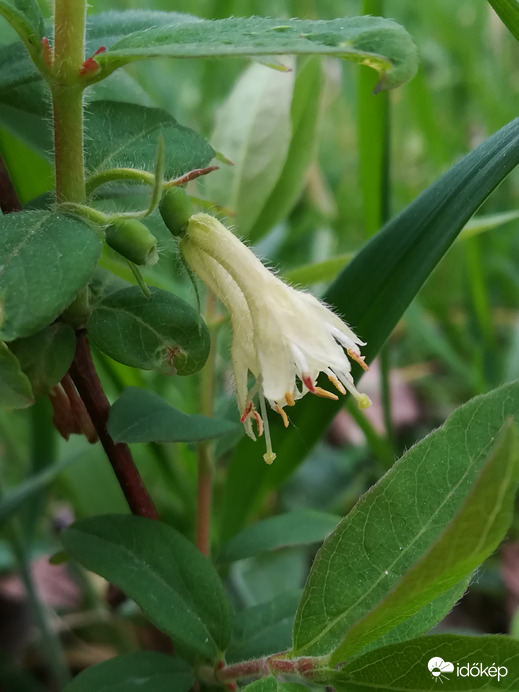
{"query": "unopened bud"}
[(176, 209), (132, 239)]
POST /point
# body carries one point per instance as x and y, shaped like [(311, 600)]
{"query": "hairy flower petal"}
[(284, 337)]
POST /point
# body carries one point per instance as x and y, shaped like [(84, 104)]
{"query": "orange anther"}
[(358, 359), (325, 393), (338, 385), (259, 421), (289, 399), (282, 414)]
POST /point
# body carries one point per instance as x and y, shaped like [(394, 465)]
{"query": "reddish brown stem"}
[(88, 385)]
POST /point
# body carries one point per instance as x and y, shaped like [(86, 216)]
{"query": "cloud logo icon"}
[(437, 666)]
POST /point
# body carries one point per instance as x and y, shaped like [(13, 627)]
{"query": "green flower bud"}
[(176, 209), (132, 239)]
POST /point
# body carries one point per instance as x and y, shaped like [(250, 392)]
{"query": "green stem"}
[(67, 98), (374, 155), (204, 448), (112, 174)]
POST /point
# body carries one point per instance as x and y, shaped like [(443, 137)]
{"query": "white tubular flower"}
[(282, 336)]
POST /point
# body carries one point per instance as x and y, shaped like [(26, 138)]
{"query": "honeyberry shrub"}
[(91, 282)]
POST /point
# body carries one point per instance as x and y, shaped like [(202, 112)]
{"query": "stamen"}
[(325, 393), (307, 380), (269, 455), (336, 383), (282, 414), (290, 399), (363, 401), (259, 422), (357, 358), (247, 412)]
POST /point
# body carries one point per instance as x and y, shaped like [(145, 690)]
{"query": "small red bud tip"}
[(231, 686), (47, 51), (220, 665), (246, 413), (307, 380), (90, 65), (192, 175)]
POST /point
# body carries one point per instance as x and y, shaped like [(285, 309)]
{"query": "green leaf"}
[(253, 130), (46, 356), (125, 135), (309, 274), (15, 388), (424, 620), (405, 666), (372, 293), (508, 11), (175, 585), (162, 332), (45, 259), (327, 270), (26, 19), (303, 143), (431, 520), (272, 684), (143, 671), (380, 43), (13, 499), (102, 29), (142, 416), (300, 527), (487, 222), (264, 629)]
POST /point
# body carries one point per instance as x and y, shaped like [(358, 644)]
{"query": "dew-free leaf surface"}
[(142, 671), (175, 585), (142, 416), (162, 332), (427, 524), (45, 259)]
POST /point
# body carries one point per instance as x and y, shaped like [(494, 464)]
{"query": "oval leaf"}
[(300, 527), (264, 629), (409, 666), (45, 259), (379, 43), (126, 136), (15, 388), (46, 356), (143, 671), (432, 519), (142, 416), (175, 585), (162, 332)]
